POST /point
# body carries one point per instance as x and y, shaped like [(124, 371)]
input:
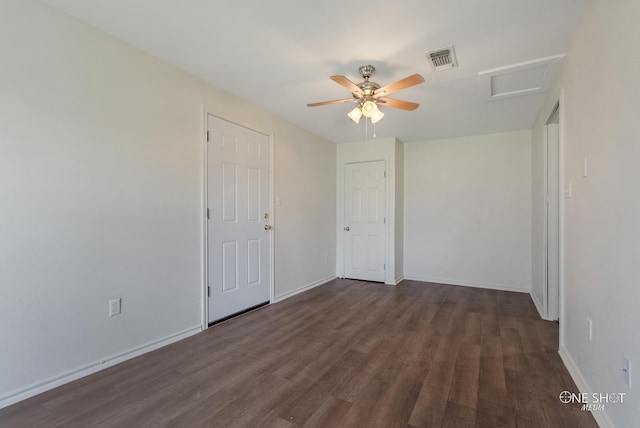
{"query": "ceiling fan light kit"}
[(376, 116), (369, 94), (355, 114), (368, 108)]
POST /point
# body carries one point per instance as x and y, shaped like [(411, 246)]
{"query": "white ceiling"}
[(279, 54)]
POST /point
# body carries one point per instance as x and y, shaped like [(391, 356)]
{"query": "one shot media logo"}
[(592, 402)]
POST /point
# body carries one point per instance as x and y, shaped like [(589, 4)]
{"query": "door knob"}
[(267, 227), (347, 228)]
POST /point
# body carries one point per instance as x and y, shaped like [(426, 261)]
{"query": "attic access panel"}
[(525, 78)]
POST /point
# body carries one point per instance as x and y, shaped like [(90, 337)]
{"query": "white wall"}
[(101, 188), (602, 220), (468, 211), (305, 222)]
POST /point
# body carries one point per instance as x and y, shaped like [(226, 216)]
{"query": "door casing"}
[(552, 216), (563, 193)]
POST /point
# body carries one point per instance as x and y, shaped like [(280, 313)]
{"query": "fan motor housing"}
[(368, 87)]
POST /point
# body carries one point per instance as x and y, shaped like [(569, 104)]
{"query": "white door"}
[(553, 217), (364, 221), (239, 238)]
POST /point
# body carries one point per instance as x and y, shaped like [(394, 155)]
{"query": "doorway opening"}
[(552, 215)]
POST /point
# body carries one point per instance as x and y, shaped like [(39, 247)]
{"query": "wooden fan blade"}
[(407, 82), (352, 87), (404, 105), (324, 103)]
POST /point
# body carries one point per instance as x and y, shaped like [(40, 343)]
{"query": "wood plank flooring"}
[(345, 354)]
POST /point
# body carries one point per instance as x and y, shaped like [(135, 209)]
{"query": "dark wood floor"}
[(346, 354)]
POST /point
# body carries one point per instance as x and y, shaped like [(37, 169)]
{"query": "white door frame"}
[(551, 307), (205, 204), (563, 194)]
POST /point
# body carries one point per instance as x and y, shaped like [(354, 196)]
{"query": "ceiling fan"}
[(368, 95)]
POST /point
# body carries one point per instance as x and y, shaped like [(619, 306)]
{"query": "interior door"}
[(553, 217), (364, 221), (239, 234)]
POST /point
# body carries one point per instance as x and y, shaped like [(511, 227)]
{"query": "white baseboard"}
[(302, 289), (601, 417), (54, 382), (538, 305), (469, 284), (395, 281)]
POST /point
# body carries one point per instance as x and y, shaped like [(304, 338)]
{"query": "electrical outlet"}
[(115, 305), (589, 329), (626, 370)]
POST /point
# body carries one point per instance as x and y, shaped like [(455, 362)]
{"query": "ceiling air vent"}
[(442, 59)]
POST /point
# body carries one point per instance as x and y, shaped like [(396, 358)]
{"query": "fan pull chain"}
[(374, 129), (366, 128)]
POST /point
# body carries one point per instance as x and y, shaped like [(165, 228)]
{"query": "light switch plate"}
[(568, 192)]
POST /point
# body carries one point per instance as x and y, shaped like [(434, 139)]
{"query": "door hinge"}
[(208, 214), (207, 136), (385, 220), (385, 174), (384, 267), (208, 291)]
